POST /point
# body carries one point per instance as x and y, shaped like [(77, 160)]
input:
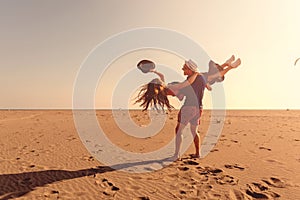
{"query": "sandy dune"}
[(256, 157)]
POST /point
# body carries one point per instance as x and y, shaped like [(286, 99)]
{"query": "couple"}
[(155, 94)]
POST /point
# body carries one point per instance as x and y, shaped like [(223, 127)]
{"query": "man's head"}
[(189, 67)]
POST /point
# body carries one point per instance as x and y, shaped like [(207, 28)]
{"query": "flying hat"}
[(191, 65), (146, 65)]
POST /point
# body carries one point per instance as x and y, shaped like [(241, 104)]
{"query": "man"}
[(191, 110)]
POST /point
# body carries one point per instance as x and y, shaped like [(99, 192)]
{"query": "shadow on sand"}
[(17, 185)]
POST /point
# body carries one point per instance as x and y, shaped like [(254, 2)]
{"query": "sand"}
[(256, 157)]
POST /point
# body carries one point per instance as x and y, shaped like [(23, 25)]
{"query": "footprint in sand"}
[(110, 188), (212, 171), (191, 162), (54, 194), (183, 168), (71, 138), (144, 198), (275, 182), (260, 191), (207, 187), (218, 176), (88, 158), (235, 166), (226, 179), (274, 161), (265, 148)]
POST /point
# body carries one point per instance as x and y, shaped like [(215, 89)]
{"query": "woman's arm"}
[(161, 76), (185, 83)]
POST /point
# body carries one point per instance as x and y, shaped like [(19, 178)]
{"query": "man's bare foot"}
[(230, 60), (195, 156), (236, 63)]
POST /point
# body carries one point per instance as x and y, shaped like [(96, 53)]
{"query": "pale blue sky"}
[(43, 44)]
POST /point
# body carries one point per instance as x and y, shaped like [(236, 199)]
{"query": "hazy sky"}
[(44, 43)]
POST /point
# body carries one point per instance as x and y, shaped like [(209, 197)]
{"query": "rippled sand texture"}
[(256, 157)]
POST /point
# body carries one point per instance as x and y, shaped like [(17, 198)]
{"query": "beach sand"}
[(257, 157)]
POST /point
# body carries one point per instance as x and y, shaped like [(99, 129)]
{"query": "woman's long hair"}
[(153, 94)]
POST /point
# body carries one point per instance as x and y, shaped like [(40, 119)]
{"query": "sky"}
[(44, 44)]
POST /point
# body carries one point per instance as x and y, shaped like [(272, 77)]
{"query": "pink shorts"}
[(189, 114)]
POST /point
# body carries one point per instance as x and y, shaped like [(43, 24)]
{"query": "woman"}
[(155, 92)]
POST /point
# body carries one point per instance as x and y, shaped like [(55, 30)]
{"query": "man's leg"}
[(185, 114), (195, 122), (178, 142), (196, 140)]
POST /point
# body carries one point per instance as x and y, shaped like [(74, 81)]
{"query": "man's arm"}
[(185, 83)]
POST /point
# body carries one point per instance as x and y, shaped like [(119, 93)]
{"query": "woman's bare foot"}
[(230, 60), (236, 63), (176, 158)]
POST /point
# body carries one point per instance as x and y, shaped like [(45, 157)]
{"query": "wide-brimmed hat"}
[(146, 65), (191, 65)]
